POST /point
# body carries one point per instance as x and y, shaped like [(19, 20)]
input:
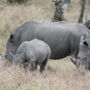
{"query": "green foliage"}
[(3, 1), (17, 1), (2, 43), (32, 87), (61, 18), (15, 87)]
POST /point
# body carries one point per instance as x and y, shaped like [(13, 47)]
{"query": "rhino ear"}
[(11, 39), (85, 43), (83, 37), (11, 36)]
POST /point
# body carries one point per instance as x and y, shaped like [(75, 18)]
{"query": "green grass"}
[(15, 87), (2, 43), (32, 87)]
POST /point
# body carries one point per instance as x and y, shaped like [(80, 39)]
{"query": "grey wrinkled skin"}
[(62, 37), (83, 58), (34, 52)]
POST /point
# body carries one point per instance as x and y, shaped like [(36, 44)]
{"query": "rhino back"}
[(57, 36), (41, 49)]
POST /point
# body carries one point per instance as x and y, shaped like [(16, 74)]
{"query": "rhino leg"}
[(36, 64), (25, 65), (42, 66), (32, 66)]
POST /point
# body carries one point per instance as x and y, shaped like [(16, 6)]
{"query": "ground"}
[(59, 74)]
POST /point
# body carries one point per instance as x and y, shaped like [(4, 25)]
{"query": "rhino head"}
[(83, 58), (11, 47)]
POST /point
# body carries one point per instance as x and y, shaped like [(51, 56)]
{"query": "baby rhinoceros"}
[(34, 52)]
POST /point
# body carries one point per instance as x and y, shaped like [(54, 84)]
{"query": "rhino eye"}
[(85, 43), (11, 36), (85, 58)]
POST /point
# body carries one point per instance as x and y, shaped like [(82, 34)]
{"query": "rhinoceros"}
[(62, 37), (83, 57), (32, 53)]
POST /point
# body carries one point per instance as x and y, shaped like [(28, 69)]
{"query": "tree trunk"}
[(82, 11), (58, 13)]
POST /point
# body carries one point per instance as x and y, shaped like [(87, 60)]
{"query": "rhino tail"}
[(42, 66)]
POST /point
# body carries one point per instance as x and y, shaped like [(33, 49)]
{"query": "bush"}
[(17, 1)]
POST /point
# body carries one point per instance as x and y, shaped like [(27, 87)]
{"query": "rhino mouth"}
[(79, 65), (8, 56)]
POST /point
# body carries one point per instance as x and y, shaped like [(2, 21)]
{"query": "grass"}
[(59, 75)]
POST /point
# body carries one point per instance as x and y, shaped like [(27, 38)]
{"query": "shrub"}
[(16, 1)]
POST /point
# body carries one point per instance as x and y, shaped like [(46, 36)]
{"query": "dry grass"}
[(12, 16), (59, 75), (73, 12)]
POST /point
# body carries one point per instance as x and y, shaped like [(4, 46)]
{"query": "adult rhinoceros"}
[(62, 37)]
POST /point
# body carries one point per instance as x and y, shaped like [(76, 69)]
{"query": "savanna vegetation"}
[(59, 75)]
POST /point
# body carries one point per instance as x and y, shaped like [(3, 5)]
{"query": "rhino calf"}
[(34, 52)]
